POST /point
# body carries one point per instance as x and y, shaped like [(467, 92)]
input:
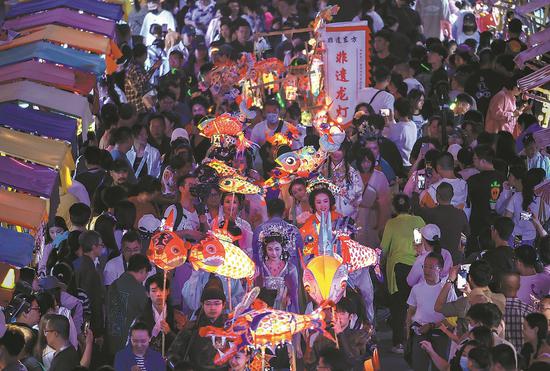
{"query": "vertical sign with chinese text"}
[(347, 67)]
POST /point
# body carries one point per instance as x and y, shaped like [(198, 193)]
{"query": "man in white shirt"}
[(445, 168), (156, 15), (376, 96), (422, 319), (271, 125), (116, 266), (403, 132)]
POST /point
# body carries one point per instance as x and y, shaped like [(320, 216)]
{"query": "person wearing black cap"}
[(189, 345)]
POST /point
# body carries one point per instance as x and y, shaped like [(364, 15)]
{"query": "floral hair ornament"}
[(278, 231), (321, 182)]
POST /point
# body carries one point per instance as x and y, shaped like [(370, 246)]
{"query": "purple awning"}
[(34, 179), (63, 17), (47, 124), (27, 177), (106, 10)]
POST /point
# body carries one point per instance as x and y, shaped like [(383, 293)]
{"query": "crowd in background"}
[(439, 169)]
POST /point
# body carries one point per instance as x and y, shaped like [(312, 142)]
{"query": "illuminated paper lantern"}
[(261, 329), (355, 255), (166, 249), (325, 279)]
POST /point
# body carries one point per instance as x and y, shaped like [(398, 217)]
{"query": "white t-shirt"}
[(403, 134), (423, 297), (525, 228), (416, 274), (460, 190), (537, 285), (163, 17), (413, 83), (383, 100), (114, 269), (377, 22), (189, 221)]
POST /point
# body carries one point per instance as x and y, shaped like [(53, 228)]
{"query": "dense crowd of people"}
[(439, 170)]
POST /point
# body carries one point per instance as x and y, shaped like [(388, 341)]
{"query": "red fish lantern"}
[(166, 249)]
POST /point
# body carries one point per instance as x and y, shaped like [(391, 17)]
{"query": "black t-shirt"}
[(438, 75), (91, 179), (239, 48), (409, 23), (400, 46), (483, 192), (387, 62), (390, 153), (482, 85), (501, 260)]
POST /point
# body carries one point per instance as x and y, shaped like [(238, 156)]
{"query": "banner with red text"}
[(347, 67)]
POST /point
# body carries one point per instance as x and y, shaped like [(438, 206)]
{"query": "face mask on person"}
[(271, 118), (464, 363)]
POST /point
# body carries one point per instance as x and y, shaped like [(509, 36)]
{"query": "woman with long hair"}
[(535, 333), (323, 204), (338, 169), (300, 209), (231, 207), (54, 234), (276, 272), (524, 204), (416, 97), (372, 213)]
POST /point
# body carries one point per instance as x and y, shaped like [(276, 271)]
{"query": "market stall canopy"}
[(64, 17), (55, 54), (48, 97), (45, 124), (34, 179), (101, 9), (97, 44), (19, 209), (51, 153), (50, 74), (16, 248)]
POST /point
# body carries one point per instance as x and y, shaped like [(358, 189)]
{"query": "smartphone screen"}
[(421, 182), (525, 215), (417, 236), (461, 279), (384, 112), (463, 239)]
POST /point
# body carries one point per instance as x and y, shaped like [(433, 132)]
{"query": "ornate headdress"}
[(280, 231), (321, 182)]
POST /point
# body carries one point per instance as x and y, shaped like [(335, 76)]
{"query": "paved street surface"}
[(390, 361)]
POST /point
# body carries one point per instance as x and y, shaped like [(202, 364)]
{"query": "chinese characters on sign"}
[(347, 60)]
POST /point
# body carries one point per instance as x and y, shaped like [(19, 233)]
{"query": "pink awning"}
[(64, 17), (49, 74)]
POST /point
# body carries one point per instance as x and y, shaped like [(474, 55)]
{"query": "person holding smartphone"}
[(524, 204), (430, 241)]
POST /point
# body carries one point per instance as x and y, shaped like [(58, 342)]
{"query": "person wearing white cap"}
[(179, 133), (430, 242)]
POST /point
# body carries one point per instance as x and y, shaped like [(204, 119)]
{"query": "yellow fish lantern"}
[(325, 279), (217, 254), (239, 185)]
